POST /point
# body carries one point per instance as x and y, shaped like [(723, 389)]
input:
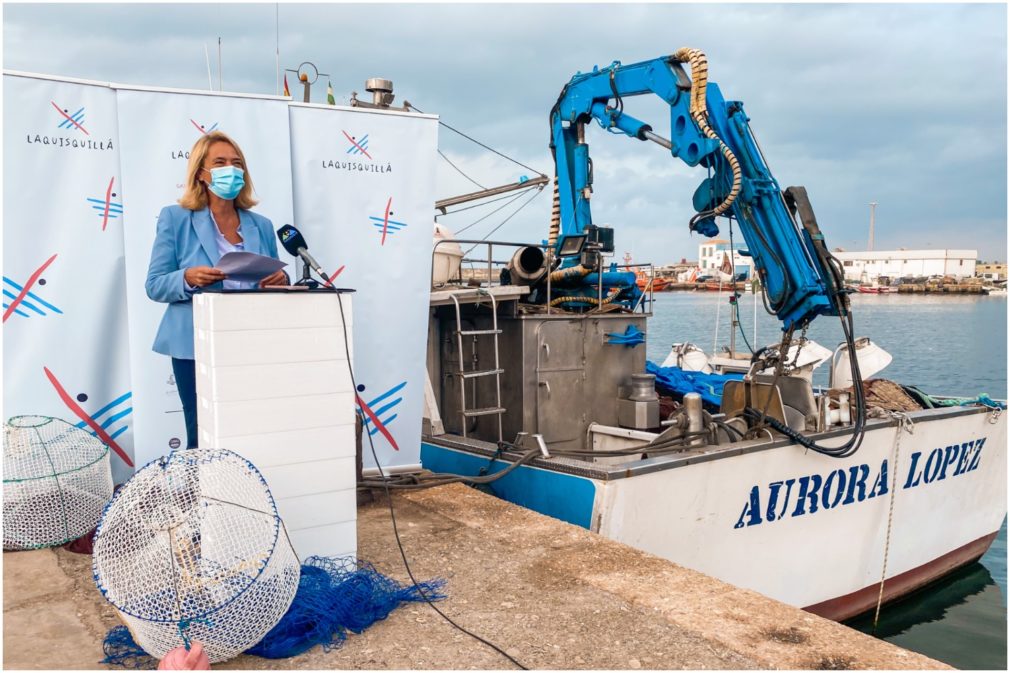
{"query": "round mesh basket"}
[(192, 548), (57, 479)]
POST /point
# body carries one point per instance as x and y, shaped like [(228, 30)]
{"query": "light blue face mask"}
[(226, 181)]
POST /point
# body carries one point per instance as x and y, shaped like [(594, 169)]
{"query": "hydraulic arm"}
[(800, 277)]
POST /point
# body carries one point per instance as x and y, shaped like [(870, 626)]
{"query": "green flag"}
[(329, 93)]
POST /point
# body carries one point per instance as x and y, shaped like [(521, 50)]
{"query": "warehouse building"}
[(868, 266)]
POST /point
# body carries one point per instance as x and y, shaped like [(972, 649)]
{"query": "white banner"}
[(157, 129), (65, 350), (364, 187)]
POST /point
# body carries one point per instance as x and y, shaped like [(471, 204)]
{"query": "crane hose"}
[(587, 300), (552, 236), (699, 112), (571, 272)]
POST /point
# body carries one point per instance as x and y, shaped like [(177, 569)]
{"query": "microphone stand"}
[(306, 278)]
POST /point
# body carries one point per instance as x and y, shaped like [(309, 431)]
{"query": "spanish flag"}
[(287, 92), (329, 93)]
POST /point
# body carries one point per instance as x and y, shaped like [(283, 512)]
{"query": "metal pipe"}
[(659, 140), (693, 408), (538, 181)]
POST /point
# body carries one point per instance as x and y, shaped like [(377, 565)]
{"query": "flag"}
[(329, 93), (727, 266), (287, 92)]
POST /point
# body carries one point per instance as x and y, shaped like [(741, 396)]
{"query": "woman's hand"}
[(276, 278), (199, 276)]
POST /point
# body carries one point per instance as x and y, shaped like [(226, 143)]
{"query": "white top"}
[(225, 246)]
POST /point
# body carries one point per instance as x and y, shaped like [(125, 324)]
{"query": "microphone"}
[(294, 243)]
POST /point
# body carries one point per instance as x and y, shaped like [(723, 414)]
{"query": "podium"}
[(273, 385)]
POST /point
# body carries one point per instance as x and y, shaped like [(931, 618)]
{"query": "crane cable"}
[(699, 112)]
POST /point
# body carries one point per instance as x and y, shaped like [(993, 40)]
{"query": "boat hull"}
[(792, 524)]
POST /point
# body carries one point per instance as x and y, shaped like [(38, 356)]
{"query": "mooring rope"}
[(904, 424)]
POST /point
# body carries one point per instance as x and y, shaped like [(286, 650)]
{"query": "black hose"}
[(441, 479)]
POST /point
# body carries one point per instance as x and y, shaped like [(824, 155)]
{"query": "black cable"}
[(513, 199), (441, 479), (458, 169), (736, 295), (392, 514), (858, 431), (502, 224), (490, 149)]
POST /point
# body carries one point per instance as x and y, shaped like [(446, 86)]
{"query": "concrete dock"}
[(553, 595)]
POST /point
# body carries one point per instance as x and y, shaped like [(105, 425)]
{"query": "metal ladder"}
[(464, 375)]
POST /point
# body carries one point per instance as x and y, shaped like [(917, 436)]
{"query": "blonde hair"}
[(195, 196)]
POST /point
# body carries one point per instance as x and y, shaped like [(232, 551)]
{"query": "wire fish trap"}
[(57, 480), (192, 548)]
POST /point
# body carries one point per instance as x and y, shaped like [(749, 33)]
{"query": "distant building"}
[(991, 270), (674, 270), (868, 266), (712, 253)]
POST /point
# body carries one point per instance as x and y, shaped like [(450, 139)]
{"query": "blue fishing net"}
[(335, 595), (676, 381)]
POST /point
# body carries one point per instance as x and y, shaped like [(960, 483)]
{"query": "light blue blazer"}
[(187, 238)]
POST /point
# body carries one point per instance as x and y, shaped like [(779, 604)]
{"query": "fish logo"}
[(357, 145), (98, 430), (116, 410), (202, 128), (384, 225), (71, 121), (106, 207), (372, 414), (20, 301)]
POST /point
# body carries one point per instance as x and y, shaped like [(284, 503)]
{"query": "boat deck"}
[(635, 466), (553, 595)]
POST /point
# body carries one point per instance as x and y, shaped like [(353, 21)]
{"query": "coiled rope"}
[(699, 112)]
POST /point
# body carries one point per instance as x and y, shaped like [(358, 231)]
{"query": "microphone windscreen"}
[(291, 239)]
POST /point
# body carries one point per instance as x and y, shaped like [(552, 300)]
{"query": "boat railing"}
[(491, 263)]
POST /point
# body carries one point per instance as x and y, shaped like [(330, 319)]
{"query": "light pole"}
[(873, 208)]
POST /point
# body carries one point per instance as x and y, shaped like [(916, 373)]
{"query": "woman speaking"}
[(212, 218)]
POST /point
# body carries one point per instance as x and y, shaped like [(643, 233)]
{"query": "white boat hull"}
[(739, 519)]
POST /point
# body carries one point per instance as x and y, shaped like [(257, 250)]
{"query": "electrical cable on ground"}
[(392, 514)]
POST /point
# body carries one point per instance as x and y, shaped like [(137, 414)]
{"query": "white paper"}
[(248, 266)]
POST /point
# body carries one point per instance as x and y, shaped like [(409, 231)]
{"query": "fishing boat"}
[(876, 289), (551, 397), (834, 500), (644, 279)]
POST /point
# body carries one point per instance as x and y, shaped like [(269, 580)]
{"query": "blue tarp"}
[(675, 379)]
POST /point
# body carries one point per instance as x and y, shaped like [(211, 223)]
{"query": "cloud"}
[(900, 104)]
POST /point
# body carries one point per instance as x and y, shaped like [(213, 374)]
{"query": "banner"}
[(364, 194), (157, 129), (65, 346)]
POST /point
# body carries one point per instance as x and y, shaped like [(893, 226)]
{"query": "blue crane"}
[(801, 279)]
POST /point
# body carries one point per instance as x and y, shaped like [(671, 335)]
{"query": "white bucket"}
[(445, 264)]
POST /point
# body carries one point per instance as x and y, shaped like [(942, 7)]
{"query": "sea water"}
[(944, 345)]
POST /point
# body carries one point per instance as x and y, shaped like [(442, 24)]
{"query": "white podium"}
[(272, 385)]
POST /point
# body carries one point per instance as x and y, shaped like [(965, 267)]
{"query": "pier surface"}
[(553, 595)]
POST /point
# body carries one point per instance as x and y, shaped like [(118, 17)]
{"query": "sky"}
[(904, 105)]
